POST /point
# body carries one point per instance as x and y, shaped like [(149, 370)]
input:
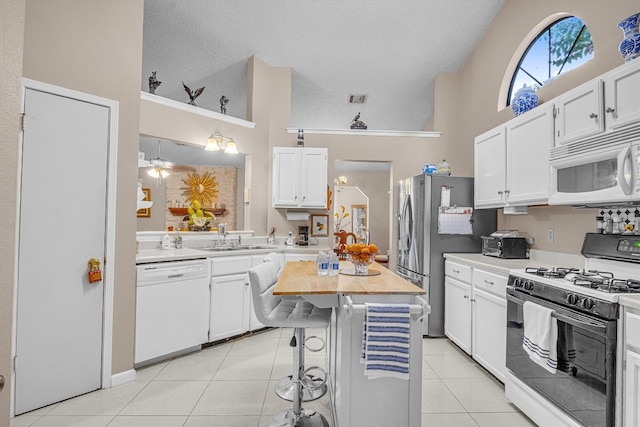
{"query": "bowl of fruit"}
[(361, 256), (198, 219)]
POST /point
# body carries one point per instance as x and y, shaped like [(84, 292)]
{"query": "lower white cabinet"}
[(300, 257), (489, 332), (475, 316), (631, 374), (230, 297), (457, 312)]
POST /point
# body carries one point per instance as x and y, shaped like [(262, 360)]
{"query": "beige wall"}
[(466, 103), (12, 14), (95, 46)]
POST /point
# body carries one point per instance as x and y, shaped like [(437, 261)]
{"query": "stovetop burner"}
[(554, 273)]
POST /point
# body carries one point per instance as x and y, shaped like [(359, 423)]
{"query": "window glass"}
[(563, 46)]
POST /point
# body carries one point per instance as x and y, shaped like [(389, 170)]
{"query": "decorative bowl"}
[(361, 261)]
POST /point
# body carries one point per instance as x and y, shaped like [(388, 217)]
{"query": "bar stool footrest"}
[(310, 390), (307, 418)]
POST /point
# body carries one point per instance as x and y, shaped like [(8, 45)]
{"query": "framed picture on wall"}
[(320, 225), (145, 212)]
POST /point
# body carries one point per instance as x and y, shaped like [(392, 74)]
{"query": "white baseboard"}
[(123, 377)]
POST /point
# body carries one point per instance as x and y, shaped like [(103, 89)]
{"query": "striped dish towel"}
[(385, 340), (540, 335)]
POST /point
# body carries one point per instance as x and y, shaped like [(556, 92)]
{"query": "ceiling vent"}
[(357, 99)]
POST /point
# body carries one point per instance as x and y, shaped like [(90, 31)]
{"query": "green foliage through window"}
[(562, 46)]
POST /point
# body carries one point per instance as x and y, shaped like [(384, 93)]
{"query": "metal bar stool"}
[(289, 313), (313, 387)]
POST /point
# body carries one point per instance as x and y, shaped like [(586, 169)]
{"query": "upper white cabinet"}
[(529, 138), (604, 104), (299, 177), (579, 113), (622, 96), (490, 168), (509, 160)]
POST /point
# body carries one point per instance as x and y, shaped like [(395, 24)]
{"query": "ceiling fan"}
[(159, 166)]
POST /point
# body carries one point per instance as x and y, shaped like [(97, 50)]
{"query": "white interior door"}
[(62, 225)]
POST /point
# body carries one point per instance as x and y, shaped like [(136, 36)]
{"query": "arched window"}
[(562, 46)]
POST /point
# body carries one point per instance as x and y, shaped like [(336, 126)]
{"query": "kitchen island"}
[(356, 399)]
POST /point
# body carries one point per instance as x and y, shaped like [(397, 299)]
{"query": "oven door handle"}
[(564, 315)]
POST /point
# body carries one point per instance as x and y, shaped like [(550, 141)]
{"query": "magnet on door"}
[(95, 274)]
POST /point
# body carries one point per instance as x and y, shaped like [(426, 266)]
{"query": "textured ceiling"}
[(390, 50)]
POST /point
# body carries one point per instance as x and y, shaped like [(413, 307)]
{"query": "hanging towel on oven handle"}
[(540, 335)]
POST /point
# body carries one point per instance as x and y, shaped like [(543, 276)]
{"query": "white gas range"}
[(583, 390)]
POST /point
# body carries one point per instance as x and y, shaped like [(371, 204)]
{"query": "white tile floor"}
[(231, 385)]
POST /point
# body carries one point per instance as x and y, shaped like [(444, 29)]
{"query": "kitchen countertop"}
[(301, 278), (145, 256), (631, 301), (502, 266)]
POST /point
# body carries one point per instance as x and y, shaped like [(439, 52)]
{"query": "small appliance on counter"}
[(303, 235), (507, 244)]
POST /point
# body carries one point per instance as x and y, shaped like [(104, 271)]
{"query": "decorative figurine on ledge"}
[(153, 83), (192, 95), (223, 104), (357, 124)]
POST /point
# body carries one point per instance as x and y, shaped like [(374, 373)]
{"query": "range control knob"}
[(517, 282), (528, 285), (572, 299), (588, 303)]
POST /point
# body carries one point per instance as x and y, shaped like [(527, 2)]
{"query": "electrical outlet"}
[(550, 234)]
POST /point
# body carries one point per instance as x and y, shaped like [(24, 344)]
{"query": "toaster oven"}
[(505, 247)]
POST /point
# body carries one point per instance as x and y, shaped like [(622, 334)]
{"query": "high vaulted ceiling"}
[(389, 50)]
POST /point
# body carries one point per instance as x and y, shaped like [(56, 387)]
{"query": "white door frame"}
[(108, 269)]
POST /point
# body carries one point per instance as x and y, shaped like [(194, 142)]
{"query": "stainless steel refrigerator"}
[(421, 246)]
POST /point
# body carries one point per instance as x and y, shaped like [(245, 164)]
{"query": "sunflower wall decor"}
[(203, 188)]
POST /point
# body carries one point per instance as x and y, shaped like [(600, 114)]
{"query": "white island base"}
[(358, 401)]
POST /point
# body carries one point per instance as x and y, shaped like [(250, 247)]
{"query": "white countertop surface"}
[(163, 255), (502, 266), (632, 301)]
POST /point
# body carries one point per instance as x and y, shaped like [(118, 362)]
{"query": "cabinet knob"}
[(466, 297), (610, 110), (506, 191), (500, 193), (593, 116)]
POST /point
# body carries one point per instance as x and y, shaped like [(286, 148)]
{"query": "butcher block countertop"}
[(300, 278)]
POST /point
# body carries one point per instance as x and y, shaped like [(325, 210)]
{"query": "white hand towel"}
[(540, 336), (386, 340)]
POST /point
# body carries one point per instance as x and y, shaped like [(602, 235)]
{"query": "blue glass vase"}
[(630, 45), (524, 100)]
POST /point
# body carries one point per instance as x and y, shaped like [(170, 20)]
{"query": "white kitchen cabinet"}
[(299, 177), (578, 113), (229, 307), (300, 256), (457, 312), (529, 138), (489, 331), (490, 168), (509, 160), (631, 374), (230, 297), (475, 315), (622, 102)]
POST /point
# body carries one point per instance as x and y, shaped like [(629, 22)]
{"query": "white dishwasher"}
[(172, 308)]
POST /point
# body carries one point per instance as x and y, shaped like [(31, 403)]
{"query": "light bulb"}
[(231, 147), (212, 144)]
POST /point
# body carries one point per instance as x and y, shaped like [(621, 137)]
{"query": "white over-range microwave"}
[(595, 175)]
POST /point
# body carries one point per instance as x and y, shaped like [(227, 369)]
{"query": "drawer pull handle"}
[(610, 110), (488, 282), (456, 271), (593, 116)]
